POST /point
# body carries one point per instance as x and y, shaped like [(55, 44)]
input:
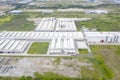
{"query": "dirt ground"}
[(27, 66)]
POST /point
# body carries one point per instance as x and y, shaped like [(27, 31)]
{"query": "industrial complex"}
[(60, 33)]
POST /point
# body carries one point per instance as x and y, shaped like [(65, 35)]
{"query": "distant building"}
[(96, 12), (85, 29), (91, 0), (25, 1), (47, 11), (117, 1), (2, 13), (15, 12)]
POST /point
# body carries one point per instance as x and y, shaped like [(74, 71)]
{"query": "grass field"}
[(111, 57), (38, 48), (18, 23), (5, 19), (109, 22), (83, 51), (78, 26)]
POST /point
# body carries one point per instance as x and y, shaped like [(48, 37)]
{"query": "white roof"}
[(62, 44), (56, 24), (41, 35), (101, 34), (81, 45), (15, 46)]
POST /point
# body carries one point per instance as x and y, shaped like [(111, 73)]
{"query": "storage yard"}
[(6, 65), (27, 66)]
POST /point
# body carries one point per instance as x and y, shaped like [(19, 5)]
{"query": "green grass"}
[(38, 48), (83, 51), (18, 23), (9, 78), (109, 22), (111, 57), (57, 61), (78, 26), (5, 19), (90, 74)]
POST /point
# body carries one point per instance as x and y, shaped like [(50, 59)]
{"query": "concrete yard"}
[(27, 66)]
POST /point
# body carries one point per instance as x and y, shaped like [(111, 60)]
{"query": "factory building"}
[(91, 0), (56, 24), (62, 46), (81, 45), (96, 12), (117, 1), (103, 37), (40, 35), (2, 13), (13, 46), (60, 42), (15, 12)]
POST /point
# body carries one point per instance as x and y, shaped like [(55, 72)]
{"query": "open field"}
[(104, 65), (59, 67), (83, 51), (109, 22), (17, 23), (38, 48), (5, 19), (64, 3), (111, 57), (114, 8)]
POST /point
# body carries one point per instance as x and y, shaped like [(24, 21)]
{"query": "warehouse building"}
[(40, 35), (103, 37), (96, 12), (2, 13), (81, 45), (62, 46), (56, 24), (15, 12), (13, 46)]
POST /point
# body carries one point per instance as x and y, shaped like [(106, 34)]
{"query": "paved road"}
[(104, 43), (29, 55)]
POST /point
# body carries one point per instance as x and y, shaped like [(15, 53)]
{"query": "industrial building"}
[(96, 12), (40, 35), (117, 1), (56, 24), (102, 37), (13, 46), (2, 13), (62, 46), (62, 35), (81, 45), (15, 12)]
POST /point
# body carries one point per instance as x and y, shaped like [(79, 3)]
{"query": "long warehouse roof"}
[(15, 46), (40, 35), (66, 44), (56, 24)]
